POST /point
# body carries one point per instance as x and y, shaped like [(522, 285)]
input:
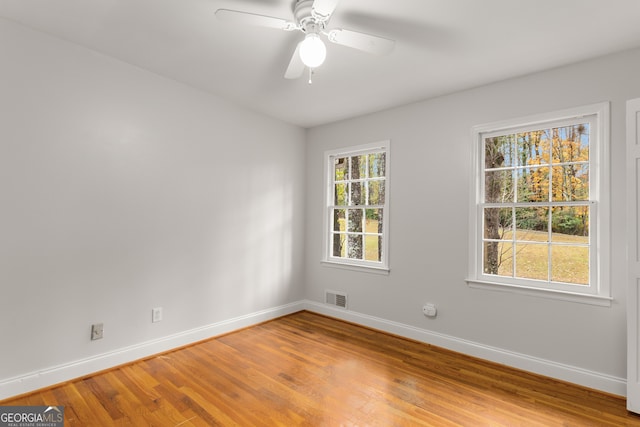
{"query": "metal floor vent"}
[(335, 298)]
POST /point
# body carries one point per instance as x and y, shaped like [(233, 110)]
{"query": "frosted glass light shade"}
[(312, 51)]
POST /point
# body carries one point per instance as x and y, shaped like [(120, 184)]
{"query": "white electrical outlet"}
[(97, 330), (156, 314)]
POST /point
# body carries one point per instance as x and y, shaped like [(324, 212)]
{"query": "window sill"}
[(543, 293), (353, 267)]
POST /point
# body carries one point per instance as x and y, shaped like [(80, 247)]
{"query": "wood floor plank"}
[(310, 370)]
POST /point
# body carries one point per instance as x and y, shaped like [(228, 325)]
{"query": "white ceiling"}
[(442, 46)]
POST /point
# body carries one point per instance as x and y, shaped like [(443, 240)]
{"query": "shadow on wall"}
[(252, 246)]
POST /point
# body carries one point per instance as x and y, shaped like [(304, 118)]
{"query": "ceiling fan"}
[(311, 18)]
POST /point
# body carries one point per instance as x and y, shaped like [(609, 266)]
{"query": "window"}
[(540, 214), (356, 214)]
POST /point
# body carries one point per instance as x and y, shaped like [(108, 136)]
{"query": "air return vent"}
[(337, 299)]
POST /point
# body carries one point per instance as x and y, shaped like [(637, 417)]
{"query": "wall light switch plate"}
[(156, 314)]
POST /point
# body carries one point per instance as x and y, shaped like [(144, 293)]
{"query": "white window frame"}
[(381, 267), (598, 290)]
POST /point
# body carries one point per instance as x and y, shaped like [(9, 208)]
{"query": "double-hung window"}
[(539, 220), (356, 218)]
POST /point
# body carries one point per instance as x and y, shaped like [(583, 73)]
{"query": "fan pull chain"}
[(310, 75)]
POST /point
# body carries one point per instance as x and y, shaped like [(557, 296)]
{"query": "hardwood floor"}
[(306, 369)]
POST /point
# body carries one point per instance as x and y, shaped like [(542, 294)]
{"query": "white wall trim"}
[(572, 374), (61, 373)]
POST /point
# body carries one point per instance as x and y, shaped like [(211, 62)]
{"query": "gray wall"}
[(429, 196), (121, 191)]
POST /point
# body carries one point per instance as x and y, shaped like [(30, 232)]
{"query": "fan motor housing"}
[(303, 14)]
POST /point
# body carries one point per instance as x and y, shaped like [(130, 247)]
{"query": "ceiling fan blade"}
[(361, 41), (235, 16), (322, 9), (296, 67)]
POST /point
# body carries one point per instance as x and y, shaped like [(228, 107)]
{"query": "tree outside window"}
[(536, 219)]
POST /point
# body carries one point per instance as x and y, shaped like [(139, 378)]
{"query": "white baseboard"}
[(572, 374), (58, 374)]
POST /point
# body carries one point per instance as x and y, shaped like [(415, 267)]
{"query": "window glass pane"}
[(570, 264), (570, 143), (373, 248), (498, 186), (532, 149), (355, 220), (373, 222), (499, 152), (571, 183), (532, 224), (498, 223), (533, 184), (498, 258), (354, 248), (357, 196), (340, 194), (341, 169), (338, 245), (532, 261), (570, 224), (377, 165), (339, 216), (358, 167), (376, 192)]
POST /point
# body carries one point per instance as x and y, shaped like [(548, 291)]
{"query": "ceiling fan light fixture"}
[(312, 51)]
